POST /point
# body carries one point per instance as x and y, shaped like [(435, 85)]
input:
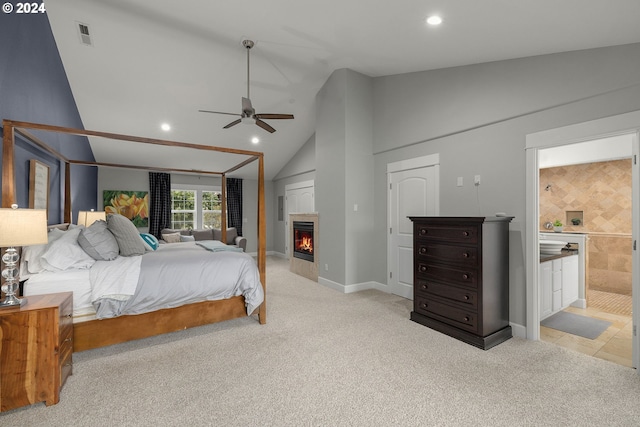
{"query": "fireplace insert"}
[(303, 240)]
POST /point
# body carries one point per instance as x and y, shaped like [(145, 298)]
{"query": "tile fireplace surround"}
[(308, 269)]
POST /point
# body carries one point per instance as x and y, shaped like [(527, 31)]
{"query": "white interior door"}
[(299, 198), (412, 192)]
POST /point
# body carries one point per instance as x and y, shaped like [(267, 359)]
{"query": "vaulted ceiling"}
[(157, 61)]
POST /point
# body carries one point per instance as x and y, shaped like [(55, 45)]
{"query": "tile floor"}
[(613, 345)]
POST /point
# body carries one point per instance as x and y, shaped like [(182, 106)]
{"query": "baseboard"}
[(519, 331), (356, 287), (580, 303)]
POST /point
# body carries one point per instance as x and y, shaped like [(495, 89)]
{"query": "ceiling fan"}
[(249, 115)]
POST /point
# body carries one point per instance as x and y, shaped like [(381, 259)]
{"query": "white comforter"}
[(174, 275)]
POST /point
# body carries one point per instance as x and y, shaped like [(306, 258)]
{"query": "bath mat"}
[(575, 324)]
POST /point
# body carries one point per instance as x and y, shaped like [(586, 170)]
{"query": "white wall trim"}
[(518, 330), (356, 287), (301, 184), (415, 163)]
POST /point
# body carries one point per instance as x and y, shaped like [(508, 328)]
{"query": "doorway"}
[(586, 186), (628, 123)]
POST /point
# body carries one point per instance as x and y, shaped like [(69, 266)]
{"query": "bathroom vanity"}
[(562, 276)]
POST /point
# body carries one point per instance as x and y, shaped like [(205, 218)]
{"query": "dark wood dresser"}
[(461, 277)]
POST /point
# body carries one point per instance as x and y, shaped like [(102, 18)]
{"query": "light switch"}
[(459, 181)]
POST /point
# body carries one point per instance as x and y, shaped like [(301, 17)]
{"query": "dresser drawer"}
[(458, 317), (466, 298), (460, 234), (459, 276), (447, 253)]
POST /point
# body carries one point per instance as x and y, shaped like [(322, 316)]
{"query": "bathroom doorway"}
[(586, 187), (628, 123)]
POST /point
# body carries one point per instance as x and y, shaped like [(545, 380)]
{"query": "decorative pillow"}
[(202, 234), (65, 253), (98, 242), (126, 235), (183, 231), (150, 240), (30, 257), (187, 238), (171, 237)]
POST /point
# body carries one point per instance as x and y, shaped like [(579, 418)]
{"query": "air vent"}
[(85, 36)]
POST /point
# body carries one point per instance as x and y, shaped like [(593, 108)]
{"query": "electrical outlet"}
[(326, 267), (459, 181), (476, 180)]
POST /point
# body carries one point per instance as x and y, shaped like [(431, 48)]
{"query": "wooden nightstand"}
[(35, 352)]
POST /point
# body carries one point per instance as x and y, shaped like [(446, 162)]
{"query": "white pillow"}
[(65, 253), (31, 254), (171, 237)]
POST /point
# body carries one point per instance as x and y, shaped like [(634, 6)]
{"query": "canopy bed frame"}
[(99, 333)]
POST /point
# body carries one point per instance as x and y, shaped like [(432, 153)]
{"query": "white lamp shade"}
[(23, 227), (87, 218)]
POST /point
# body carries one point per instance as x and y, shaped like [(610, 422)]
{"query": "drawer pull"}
[(423, 268), (465, 276), (465, 255), (466, 318), (424, 305), (423, 250), (466, 297), (424, 286), (465, 233), (423, 231)]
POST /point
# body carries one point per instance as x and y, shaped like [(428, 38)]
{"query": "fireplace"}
[(303, 240)]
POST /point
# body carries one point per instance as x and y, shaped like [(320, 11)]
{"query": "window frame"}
[(198, 213)]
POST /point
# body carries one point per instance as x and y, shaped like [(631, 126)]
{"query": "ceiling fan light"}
[(248, 120)]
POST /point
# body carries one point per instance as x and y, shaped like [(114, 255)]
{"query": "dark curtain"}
[(159, 202), (234, 204)]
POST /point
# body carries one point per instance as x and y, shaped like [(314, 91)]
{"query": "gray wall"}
[(477, 118)]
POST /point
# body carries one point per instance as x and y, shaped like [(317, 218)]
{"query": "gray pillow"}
[(202, 234), (126, 235), (98, 242)]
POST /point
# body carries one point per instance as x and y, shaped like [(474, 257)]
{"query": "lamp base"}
[(12, 301)]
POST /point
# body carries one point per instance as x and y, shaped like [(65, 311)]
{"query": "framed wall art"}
[(38, 185)]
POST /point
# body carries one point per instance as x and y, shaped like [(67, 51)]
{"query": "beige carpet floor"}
[(330, 359)]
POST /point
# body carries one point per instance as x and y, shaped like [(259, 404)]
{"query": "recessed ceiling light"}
[(255, 139), (165, 127), (434, 20)]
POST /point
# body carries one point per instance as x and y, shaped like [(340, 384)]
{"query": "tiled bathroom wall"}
[(599, 194)]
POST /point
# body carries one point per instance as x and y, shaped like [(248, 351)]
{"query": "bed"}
[(114, 323)]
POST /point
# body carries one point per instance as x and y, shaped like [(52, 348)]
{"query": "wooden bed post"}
[(67, 192), (8, 166), (262, 240), (223, 207)]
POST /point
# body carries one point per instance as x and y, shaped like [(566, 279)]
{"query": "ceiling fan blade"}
[(274, 116), (219, 112), (265, 126), (233, 123)]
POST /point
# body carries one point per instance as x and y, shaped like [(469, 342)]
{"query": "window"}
[(194, 208), (211, 207)]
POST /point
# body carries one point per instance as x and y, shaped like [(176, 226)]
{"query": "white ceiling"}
[(155, 61)]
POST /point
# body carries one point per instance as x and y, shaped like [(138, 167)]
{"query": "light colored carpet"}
[(329, 359)]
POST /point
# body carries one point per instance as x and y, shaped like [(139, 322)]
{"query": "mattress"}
[(76, 281)]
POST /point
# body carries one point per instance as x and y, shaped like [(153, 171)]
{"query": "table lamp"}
[(87, 218), (18, 227)]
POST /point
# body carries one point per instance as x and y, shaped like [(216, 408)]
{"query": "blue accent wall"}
[(34, 88)]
